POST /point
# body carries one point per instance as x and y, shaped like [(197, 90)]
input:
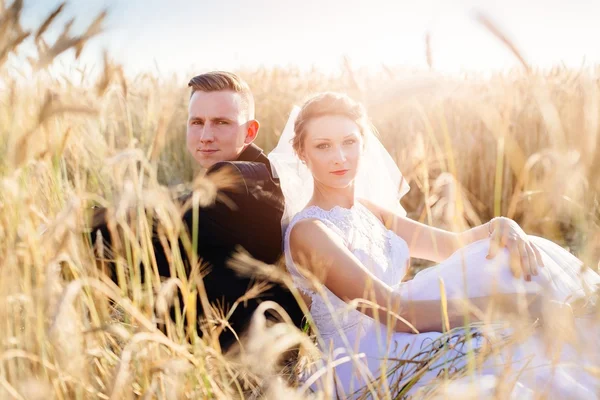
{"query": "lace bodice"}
[(379, 249)]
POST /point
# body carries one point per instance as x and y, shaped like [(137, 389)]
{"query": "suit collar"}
[(252, 153)]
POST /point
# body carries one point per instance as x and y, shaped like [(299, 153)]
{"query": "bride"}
[(348, 243)]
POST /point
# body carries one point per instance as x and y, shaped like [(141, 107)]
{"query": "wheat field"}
[(523, 144)]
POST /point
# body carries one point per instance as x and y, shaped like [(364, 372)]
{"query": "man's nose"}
[(206, 135)]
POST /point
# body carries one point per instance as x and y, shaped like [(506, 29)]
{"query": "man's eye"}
[(196, 122), (222, 123)]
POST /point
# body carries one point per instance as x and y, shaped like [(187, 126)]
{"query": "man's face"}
[(218, 128)]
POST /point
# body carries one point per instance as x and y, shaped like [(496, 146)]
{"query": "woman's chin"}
[(342, 183)]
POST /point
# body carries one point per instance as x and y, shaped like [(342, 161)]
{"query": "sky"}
[(189, 36)]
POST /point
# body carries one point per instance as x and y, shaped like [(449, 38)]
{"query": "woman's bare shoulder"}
[(309, 229)]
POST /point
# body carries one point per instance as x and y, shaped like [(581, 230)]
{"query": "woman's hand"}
[(524, 256)]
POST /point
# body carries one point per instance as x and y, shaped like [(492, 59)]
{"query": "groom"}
[(221, 129)]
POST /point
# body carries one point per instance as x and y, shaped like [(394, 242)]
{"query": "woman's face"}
[(332, 148)]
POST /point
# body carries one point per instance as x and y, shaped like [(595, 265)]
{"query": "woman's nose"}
[(340, 155)]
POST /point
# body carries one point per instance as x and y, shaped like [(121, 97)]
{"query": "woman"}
[(348, 245)]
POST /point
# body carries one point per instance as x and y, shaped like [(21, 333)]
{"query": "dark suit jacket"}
[(254, 224)]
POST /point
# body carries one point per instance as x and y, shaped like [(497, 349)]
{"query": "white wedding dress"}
[(345, 331)]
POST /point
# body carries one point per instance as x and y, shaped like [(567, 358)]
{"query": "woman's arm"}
[(436, 244), (322, 254), (424, 241)]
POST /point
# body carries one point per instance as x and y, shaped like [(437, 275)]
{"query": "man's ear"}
[(252, 131)]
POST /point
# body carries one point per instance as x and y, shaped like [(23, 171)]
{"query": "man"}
[(221, 124), (221, 128)]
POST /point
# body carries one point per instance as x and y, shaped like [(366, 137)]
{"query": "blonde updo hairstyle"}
[(326, 104)]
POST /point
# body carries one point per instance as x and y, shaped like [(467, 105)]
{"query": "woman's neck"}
[(328, 197)]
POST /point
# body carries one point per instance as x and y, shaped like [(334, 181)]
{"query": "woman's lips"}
[(340, 172)]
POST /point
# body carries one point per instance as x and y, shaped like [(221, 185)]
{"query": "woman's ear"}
[(301, 156)]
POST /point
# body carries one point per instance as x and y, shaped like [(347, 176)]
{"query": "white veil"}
[(378, 180)]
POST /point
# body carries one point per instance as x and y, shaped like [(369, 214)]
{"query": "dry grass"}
[(520, 144)]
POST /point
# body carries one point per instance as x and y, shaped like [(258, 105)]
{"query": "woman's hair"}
[(325, 104)]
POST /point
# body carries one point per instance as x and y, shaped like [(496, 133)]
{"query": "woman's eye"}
[(323, 146), (350, 141)]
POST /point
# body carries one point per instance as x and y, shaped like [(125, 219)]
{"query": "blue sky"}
[(189, 36)]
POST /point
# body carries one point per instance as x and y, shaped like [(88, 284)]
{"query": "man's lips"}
[(206, 151), (340, 172)]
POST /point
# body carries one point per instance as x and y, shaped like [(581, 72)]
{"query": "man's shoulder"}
[(250, 171), (252, 180)]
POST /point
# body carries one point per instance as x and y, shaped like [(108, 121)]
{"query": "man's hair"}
[(217, 81)]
